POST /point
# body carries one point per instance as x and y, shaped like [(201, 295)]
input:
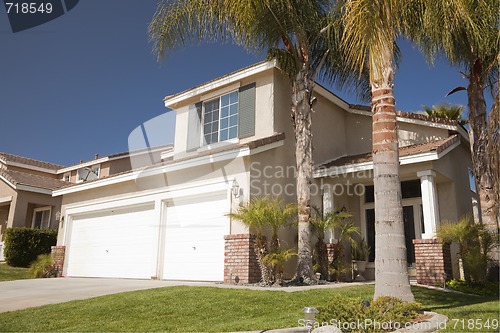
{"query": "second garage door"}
[(120, 243), (194, 242)]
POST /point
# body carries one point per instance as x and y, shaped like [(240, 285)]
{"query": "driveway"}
[(22, 294)]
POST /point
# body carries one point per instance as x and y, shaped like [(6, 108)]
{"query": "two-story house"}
[(234, 141)]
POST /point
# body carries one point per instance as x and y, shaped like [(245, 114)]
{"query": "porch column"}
[(429, 203), (327, 208)]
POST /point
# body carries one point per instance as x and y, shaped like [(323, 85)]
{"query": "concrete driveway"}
[(22, 294)]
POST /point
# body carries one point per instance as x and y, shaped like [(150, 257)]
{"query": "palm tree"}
[(446, 111), (467, 33), (371, 27), (474, 242), (299, 34)]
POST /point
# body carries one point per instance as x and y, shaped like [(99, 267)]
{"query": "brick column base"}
[(58, 259), (240, 261), (433, 261)]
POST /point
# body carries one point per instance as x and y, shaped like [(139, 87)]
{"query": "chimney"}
[(96, 156)]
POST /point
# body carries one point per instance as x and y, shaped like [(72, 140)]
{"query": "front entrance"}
[(411, 230)]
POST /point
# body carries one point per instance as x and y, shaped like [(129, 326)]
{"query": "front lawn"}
[(8, 273), (210, 309)]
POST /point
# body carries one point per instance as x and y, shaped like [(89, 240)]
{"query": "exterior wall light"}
[(235, 188)]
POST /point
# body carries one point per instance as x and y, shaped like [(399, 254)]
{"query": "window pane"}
[(207, 128), (208, 138), (411, 189), (214, 137), (234, 109), (215, 115), (208, 117), (233, 121), (369, 194), (38, 220), (224, 100), (224, 123), (224, 112), (233, 97), (224, 135), (233, 132)]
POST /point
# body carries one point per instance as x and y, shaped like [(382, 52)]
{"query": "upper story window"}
[(226, 117), (88, 173), (220, 118), (67, 176)]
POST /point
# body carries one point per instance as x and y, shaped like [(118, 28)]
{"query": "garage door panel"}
[(194, 247), (118, 243)]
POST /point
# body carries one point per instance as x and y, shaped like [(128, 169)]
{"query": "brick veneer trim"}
[(240, 261), (433, 261), (58, 253)]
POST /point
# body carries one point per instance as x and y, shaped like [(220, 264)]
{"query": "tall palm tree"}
[(446, 111), (371, 27), (466, 32), (299, 34)]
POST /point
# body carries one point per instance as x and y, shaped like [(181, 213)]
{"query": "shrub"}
[(42, 267), (23, 245), (475, 242), (390, 313), (486, 289)]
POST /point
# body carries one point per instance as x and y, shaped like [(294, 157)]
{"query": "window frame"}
[(42, 209), (67, 175), (218, 98)]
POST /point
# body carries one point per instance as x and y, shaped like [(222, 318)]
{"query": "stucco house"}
[(234, 141)]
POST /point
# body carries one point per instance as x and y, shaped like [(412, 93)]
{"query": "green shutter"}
[(246, 112), (194, 126)]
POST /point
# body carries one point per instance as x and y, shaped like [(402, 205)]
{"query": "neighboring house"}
[(26, 185), (26, 194), (234, 141)]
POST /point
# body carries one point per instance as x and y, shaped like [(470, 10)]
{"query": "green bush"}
[(42, 267), (383, 315), (23, 245), (486, 289)]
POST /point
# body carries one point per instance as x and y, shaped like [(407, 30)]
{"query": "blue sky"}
[(78, 85)]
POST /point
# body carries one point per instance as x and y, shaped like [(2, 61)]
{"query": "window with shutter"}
[(226, 117)]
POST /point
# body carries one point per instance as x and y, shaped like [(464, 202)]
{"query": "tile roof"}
[(28, 161), (28, 179), (251, 144), (137, 151), (436, 145), (410, 115)]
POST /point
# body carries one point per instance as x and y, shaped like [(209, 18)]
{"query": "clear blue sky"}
[(78, 85)]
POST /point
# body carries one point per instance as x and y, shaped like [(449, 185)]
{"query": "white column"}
[(327, 208), (429, 203)]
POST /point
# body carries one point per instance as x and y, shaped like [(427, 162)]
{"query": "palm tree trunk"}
[(301, 114), (391, 270), (478, 135)]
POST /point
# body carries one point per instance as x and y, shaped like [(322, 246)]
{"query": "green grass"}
[(8, 273), (209, 309)]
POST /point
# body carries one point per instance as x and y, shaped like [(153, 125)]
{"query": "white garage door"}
[(121, 243), (194, 242)]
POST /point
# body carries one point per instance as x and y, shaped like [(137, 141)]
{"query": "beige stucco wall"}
[(5, 192), (19, 212), (26, 202), (413, 133)]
